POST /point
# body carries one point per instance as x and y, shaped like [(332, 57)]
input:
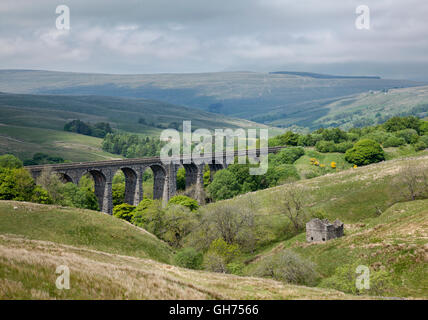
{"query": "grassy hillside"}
[(340, 194), (106, 258), (277, 99), (388, 237), (82, 228), (394, 245), (25, 141), (375, 106), (53, 111)]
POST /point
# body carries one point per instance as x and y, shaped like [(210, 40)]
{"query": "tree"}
[(178, 222), (42, 158), (118, 193), (185, 201), (400, 123), (289, 138), (291, 203), (78, 197), (365, 152), (149, 215), (68, 194), (124, 211), (181, 179), (41, 195), (413, 182), (223, 186), (51, 182), (9, 161), (16, 184), (219, 254), (423, 128)]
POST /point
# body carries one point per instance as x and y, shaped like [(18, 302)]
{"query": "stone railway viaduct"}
[(165, 175)]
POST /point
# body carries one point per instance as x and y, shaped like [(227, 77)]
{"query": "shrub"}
[(352, 136), (235, 268), (144, 204), (288, 267), (420, 145), (40, 195), (214, 262), (325, 146), (189, 258), (288, 155), (424, 139), (409, 135), (281, 174), (379, 136), (344, 279), (334, 134), (394, 141), (423, 128), (365, 152), (320, 214), (343, 146), (185, 201), (124, 211)]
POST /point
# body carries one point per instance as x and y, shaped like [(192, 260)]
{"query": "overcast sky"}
[(152, 36)]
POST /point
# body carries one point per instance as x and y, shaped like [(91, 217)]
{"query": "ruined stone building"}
[(323, 230)]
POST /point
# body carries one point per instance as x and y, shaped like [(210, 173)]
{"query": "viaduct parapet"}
[(165, 174)]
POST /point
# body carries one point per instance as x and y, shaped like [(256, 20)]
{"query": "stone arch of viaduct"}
[(165, 176)]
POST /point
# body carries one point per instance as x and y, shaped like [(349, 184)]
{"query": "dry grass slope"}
[(27, 271)]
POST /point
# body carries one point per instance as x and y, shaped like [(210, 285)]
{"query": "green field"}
[(26, 141)]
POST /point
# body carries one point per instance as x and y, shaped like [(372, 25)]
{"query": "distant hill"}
[(280, 98), (323, 76), (375, 107), (124, 113), (35, 123)]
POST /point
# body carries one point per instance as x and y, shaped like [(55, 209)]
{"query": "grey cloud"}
[(131, 36)]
